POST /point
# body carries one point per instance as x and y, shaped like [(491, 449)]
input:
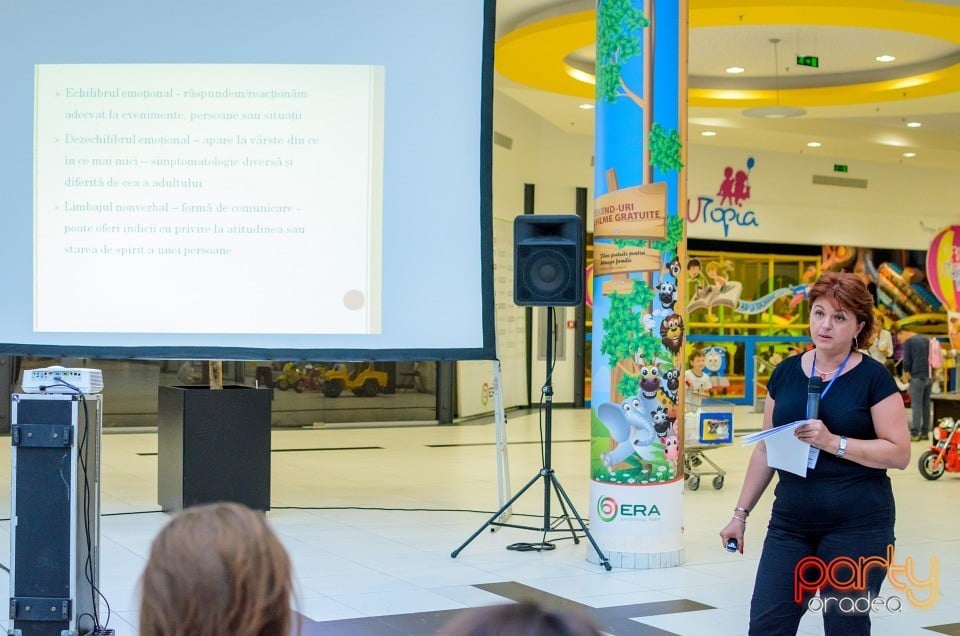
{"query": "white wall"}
[(901, 208)]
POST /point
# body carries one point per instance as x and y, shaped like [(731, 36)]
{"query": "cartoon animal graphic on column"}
[(664, 416), (633, 431), (673, 268), (672, 379), (671, 450), (661, 421), (671, 333), (667, 294), (650, 385), (631, 425)]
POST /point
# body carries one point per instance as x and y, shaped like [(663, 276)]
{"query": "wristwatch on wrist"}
[(842, 450)]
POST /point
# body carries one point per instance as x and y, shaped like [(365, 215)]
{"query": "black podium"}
[(213, 445)]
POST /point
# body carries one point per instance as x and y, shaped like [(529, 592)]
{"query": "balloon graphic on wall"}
[(943, 267), (589, 287)]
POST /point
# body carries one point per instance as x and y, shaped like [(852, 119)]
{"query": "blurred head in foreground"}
[(215, 570), (519, 619)]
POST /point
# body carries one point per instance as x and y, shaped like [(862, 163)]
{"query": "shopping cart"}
[(708, 424)]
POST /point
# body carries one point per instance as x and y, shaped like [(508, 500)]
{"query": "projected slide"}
[(281, 180), (187, 189)]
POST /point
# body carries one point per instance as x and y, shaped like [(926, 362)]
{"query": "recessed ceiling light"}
[(813, 144), (884, 58), (913, 124), (774, 112), (581, 76), (733, 70), (586, 107), (909, 154), (708, 133)]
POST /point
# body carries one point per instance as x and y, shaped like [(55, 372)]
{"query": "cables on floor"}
[(83, 458)]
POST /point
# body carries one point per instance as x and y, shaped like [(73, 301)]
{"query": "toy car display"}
[(363, 380)]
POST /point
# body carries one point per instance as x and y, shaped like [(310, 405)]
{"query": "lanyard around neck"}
[(836, 374)]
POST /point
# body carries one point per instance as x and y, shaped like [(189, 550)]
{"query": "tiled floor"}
[(371, 530)]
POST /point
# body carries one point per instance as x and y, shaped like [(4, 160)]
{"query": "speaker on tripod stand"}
[(548, 260), (548, 272)]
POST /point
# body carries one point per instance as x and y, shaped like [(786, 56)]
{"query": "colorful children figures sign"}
[(943, 267)]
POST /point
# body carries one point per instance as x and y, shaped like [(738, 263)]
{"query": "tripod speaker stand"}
[(546, 474)]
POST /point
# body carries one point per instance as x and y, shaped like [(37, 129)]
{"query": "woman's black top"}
[(837, 493)]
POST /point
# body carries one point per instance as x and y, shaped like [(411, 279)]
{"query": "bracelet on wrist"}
[(743, 521), (743, 510)]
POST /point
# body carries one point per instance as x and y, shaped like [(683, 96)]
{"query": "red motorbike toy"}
[(944, 453)]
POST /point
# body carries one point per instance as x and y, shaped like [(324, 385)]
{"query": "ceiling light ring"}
[(534, 54)]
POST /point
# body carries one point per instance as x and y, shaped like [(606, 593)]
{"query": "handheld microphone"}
[(814, 388), (732, 545)]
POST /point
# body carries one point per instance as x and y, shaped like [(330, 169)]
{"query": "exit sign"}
[(808, 60), (839, 167)]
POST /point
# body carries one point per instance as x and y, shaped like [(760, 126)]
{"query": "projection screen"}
[(247, 180)]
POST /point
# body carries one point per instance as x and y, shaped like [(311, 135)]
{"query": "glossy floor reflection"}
[(370, 517)]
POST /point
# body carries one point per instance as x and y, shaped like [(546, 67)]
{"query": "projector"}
[(55, 380)]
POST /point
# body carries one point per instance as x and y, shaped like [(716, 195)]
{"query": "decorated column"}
[(636, 456)]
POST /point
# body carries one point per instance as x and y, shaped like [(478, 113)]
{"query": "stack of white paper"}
[(784, 450)]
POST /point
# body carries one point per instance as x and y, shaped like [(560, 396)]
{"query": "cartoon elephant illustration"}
[(632, 428)]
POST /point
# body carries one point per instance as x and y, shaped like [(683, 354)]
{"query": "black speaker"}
[(548, 260)]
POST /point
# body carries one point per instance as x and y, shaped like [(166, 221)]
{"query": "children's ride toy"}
[(944, 454), (289, 376), (311, 380), (364, 381)]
